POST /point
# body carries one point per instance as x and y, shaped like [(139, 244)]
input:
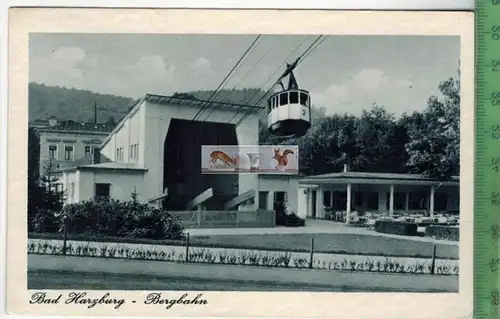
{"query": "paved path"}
[(312, 227), (234, 274)]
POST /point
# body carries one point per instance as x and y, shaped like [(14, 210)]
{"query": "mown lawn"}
[(351, 244), (56, 280), (86, 281)]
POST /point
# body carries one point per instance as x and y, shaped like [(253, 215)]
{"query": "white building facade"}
[(136, 148)]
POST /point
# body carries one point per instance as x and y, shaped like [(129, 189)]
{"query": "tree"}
[(328, 145), (34, 192), (54, 195), (434, 144), (48, 199), (378, 141), (111, 121), (187, 96)]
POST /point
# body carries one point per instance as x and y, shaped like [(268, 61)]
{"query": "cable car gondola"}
[(289, 111)]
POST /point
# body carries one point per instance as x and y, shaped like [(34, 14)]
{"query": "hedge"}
[(396, 227), (443, 232), (112, 218), (293, 220)]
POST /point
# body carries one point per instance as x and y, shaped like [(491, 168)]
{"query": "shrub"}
[(396, 227), (293, 220), (45, 221), (122, 219), (443, 232)]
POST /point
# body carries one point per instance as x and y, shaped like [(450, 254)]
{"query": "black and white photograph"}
[(252, 162), (117, 122)]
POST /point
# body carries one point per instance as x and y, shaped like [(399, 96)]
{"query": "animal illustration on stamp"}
[(219, 159), (281, 159)]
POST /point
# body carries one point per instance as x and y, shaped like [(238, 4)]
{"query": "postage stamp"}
[(218, 163)]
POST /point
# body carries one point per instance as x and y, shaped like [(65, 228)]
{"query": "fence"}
[(226, 219), (188, 253)]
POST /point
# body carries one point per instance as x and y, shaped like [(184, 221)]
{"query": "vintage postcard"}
[(218, 163)]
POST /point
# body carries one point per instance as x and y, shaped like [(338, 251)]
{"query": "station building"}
[(155, 151)]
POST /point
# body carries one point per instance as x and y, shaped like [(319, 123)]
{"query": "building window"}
[(263, 200), (102, 191), (440, 202), (119, 154), (57, 188), (279, 196), (134, 151), (417, 201), (89, 150), (52, 151), (399, 200), (339, 200), (68, 153), (372, 201), (132, 154), (327, 198), (358, 199)]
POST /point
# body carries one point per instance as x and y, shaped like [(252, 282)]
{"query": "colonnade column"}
[(431, 201), (391, 200), (348, 203)]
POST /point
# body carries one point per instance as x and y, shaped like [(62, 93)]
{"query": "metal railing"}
[(237, 218)]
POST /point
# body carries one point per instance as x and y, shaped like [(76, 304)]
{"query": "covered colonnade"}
[(387, 194)]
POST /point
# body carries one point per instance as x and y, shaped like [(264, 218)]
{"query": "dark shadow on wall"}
[(182, 163)]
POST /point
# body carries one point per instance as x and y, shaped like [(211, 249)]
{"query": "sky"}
[(344, 73)]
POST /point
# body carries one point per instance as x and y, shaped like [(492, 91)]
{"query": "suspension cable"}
[(226, 78), (301, 58), (228, 95), (271, 77)]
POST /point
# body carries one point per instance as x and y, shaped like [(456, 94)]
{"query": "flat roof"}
[(376, 178), (169, 100), (105, 166)]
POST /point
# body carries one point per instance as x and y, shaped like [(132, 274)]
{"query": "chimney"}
[(346, 168), (96, 156)]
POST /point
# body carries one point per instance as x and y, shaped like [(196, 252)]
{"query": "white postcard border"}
[(232, 304)]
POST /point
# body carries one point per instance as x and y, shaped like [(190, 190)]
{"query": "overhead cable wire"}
[(229, 94), (226, 78), (271, 77), (301, 58)]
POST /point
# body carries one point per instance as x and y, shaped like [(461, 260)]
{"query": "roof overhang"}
[(377, 181), (97, 168), (169, 100)]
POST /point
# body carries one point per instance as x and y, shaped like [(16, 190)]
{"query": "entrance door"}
[(313, 203)]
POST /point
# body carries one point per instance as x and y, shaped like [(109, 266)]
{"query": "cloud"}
[(200, 64), (61, 66), (73, 67), (359, 92), (152, 67)]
